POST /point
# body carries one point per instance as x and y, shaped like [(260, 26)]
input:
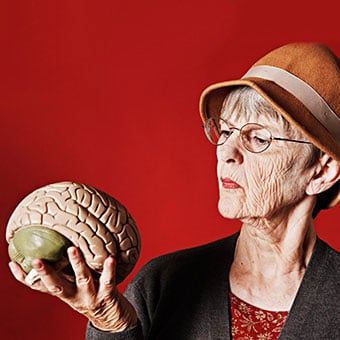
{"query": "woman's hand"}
[(99, 300)]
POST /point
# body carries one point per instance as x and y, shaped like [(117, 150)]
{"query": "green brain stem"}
[(36, 242)]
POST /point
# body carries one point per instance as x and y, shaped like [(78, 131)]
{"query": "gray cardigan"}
[(184, 295)]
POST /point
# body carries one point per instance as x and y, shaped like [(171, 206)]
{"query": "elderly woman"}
[(277, 137)]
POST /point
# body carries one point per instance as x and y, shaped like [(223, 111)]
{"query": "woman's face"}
[(260, 185)]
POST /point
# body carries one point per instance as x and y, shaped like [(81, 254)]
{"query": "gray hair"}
[(245, 102)]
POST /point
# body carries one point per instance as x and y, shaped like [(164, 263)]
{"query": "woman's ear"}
[(327, 173)]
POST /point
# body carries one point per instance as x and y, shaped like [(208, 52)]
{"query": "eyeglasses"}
[(255, 137)]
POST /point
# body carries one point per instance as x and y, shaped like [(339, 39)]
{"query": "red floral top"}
[(252, 323)]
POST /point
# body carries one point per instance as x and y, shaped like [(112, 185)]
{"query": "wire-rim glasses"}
[(255, 137)]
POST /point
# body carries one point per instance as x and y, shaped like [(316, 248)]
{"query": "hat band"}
[(304, 92)]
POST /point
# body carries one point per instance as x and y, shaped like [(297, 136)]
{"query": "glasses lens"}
[(255, 137), (214, 130)]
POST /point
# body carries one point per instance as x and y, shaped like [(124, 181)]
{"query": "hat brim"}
[(284, 102)]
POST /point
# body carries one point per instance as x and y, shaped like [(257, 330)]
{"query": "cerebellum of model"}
[(52, 218)]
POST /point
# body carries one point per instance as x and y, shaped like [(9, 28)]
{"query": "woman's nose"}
[(231, 150)]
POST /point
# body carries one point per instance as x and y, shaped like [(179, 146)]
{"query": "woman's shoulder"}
[(332, 261), (325, 252), (170, 285), (324, 264)]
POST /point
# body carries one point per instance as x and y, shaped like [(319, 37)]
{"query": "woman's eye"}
[(259, 140), (226, 132)]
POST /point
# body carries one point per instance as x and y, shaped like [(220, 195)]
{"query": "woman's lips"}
[(227, 183)]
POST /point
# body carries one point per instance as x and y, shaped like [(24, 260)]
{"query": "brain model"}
[(58, 215)]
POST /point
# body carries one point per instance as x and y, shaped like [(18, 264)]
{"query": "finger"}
[(20, 275), (107, 283), (51, 280), (17, 272), (83, 276)]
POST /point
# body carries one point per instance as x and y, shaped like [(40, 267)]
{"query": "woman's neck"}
[(270, 259)]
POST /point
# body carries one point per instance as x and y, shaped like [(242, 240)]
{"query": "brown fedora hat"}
[(302, 82)]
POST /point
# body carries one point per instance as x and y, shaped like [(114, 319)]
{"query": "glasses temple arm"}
[(292, 140)]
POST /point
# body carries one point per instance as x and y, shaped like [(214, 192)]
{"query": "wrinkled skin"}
[(99, 300), (270, 182), (274, 199)]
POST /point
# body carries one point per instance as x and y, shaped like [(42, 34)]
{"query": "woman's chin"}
[(229, 210)]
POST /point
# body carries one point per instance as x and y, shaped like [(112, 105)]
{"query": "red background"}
[(106, 93)]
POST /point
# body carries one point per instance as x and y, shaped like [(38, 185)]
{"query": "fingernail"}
[(37, 264), (72, 251)]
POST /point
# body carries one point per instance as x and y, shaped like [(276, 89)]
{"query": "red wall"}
[(106, 93)]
